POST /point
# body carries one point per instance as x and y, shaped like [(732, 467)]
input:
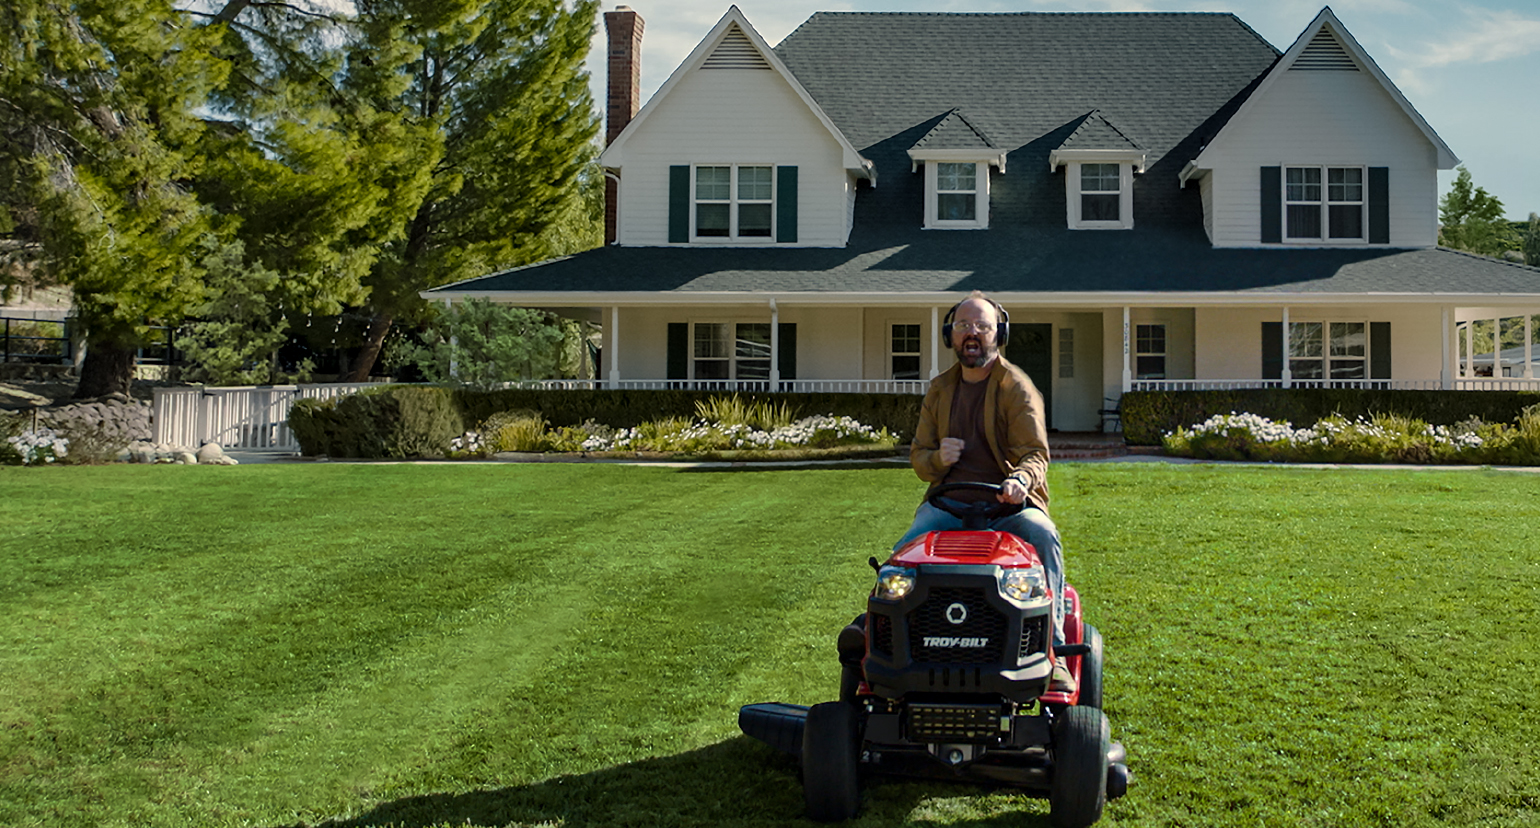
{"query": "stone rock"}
[(210, 453), (186, 458)]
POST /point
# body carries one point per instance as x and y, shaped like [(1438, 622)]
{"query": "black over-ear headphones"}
[(1002, 324)]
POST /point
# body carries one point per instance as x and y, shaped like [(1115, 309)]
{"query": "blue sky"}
[(1471, 68)]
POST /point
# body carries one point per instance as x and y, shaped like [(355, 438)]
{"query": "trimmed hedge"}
[(1146, 415), (898, 413), (415, 420), (389, 421)]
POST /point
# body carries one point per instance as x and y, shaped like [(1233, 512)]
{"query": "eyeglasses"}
[(980, 327)]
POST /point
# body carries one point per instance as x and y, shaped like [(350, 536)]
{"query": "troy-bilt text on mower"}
[(947, 674)]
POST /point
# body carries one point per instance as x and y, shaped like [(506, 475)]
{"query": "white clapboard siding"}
[(1338, 118), (733, 116)]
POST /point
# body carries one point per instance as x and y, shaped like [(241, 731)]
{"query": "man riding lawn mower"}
[(972, 660)]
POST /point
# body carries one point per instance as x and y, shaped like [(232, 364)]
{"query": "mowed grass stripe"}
[(435, 645)]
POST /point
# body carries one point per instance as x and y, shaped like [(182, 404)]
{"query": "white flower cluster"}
[(42, 446), (468, 443), (1260, 428), (804, 430), (740, 436), (1326, 431)]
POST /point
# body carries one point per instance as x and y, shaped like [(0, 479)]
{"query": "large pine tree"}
[(98, 126), (502, 83)]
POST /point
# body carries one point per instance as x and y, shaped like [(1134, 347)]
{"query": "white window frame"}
[(1066, 353), (734, 201), (1326, 358), (1164, 353), (918, 353), (732, 358), (1072, 194), (980, 193), (1324, 205)]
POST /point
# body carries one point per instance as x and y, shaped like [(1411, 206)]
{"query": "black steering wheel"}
[(975, 514)]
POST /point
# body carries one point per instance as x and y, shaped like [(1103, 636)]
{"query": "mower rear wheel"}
[(831, 745), (1091, 670), (1081, 739)]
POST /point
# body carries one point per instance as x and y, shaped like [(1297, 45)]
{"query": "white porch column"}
[(1529, 370), (1288, 376), (1128, 370), (935, 341), (614, 345), (775, 346), (1446, 365), (1497, 348), (454, 346)]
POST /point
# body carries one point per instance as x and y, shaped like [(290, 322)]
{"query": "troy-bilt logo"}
[(945, 641)]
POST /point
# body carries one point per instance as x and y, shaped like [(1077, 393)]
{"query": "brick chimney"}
[(624, 28)]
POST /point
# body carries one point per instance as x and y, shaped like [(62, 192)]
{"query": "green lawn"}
[(567, 645)]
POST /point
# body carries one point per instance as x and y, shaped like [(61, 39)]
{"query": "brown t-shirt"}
[(977, 463)]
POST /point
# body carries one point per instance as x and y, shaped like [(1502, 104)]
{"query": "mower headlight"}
[(1027, 583), (894, 582)]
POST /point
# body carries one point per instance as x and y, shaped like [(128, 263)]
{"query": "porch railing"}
[(1482, 384)]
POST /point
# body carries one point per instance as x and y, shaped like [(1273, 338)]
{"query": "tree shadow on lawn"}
[(735, 782)]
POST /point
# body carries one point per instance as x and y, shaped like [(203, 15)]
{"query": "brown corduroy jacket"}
[(1017, 433)]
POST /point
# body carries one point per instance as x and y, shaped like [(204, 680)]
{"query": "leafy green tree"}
[(99, 127), (1532, 241), (483, 344), (237, 328), (1471, 219), (502, 82)]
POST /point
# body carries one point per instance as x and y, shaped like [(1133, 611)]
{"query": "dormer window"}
[(957, 193), (1099, 161), (1099, 195), (1100, 192)]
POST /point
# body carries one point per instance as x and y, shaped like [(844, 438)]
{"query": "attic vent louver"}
[(735, 52), (1324, 52)]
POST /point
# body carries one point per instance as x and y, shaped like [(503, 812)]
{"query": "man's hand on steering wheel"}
[(1011, 491)]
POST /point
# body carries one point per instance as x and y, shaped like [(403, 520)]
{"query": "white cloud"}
[(1494, 36)]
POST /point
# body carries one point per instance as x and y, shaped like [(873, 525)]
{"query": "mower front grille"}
[(1034, 635), (957, 723), (956, 625), (882, 634)]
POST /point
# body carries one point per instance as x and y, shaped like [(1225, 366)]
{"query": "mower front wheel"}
[(1091, 670), (1081, 740), (831, 746)]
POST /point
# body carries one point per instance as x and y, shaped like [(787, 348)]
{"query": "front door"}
[(1031, 349)]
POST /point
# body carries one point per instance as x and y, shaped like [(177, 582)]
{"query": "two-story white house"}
[(1160, 200)]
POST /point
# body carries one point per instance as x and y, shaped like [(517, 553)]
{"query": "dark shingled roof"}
[(1029, 83), (955, 131), (1098, 132), (1020, 261)]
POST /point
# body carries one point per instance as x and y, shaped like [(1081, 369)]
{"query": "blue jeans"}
[(1030, 524)]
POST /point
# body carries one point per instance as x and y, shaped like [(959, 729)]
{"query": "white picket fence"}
[(246, 417)]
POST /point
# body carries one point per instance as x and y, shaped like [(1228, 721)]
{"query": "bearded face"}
[(974, 347)]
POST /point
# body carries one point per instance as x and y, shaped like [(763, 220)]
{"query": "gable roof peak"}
[(1344, 54)]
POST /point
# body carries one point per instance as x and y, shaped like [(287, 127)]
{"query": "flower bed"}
[(1381, 438), (823, 436)]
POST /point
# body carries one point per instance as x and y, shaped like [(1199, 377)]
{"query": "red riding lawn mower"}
[(946, 675)]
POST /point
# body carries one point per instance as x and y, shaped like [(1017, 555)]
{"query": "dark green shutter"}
[(1379, 205), (786, 204), (679, 203), (1379, 350), (1272, 350), (1272, 205), (786, 363), (678, 350)]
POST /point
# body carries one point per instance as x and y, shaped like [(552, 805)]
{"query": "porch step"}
[(1085, 446)]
